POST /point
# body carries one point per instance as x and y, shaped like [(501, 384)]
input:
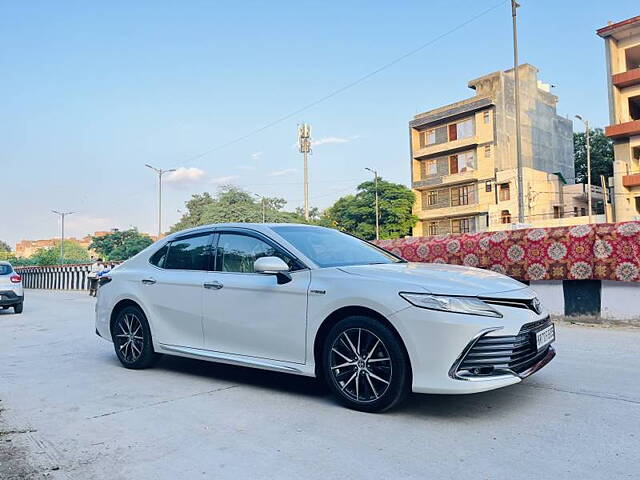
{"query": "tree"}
[(73, 253), (601, 156), (232, 204), (5, 251), (120, 245), (355, 214)]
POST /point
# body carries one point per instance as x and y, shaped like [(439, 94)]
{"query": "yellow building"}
[(463, 160), (622, 47)]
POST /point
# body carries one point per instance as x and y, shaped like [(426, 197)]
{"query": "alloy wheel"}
[(360, 365), (129, 338)]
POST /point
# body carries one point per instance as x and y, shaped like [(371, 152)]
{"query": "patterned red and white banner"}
[(605, 251)]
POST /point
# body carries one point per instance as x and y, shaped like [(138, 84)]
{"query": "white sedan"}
[(313, 301)]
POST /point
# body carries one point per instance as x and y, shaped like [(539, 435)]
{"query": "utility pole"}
[(264, 210), (304, 142), (588, 145), (514, 7), (62, 215), (160, 172), (375, 176)]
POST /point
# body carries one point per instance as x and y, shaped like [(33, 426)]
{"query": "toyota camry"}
[(313, 301)]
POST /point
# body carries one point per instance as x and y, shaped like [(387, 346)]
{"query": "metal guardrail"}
[(58, 277)]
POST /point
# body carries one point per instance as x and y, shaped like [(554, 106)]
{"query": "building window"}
[(556, 212), (575, 211), (583, 211), (461, 225), (486, 116), (634, 108), (431, 166), (632, 57), (462, 162), (453, 132), (433, 228), (460, 130), (505, 216), (487, 151), (459, 196), (487, 186), (505, 193), (465, 129), (432, 198), (432, 136)]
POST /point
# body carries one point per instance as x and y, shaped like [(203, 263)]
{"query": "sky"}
[(91, 91)]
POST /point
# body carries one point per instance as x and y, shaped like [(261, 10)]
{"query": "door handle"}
[(215, 285), (148, 281)]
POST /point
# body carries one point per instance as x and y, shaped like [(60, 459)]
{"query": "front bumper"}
[(9, 298), (438, 341)]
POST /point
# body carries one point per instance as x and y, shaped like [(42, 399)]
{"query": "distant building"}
[(27, 248), (463, 159), (622, 49)]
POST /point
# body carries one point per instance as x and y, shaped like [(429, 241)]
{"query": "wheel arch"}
[(349, 311), (121, 305)]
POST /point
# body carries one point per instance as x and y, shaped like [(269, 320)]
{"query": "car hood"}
[(444, 279)]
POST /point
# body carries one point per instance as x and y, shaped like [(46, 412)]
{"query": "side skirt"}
[(240, 360)]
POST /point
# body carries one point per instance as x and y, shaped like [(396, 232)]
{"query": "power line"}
[(348, 85)]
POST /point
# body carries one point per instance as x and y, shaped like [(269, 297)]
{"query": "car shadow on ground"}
[(486, 404)]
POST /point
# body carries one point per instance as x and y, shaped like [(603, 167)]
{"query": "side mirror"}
[(273, 266)]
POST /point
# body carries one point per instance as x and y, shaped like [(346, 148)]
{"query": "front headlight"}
[(469, 305)]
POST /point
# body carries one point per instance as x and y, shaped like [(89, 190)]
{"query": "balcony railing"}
[(626, 129), (626, 79), (631, 180)]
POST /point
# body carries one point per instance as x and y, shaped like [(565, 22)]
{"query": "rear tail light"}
[(15, 278)]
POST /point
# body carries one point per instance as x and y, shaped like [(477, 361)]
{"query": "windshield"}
[(331, 248)]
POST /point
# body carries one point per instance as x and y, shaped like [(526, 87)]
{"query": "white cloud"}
[(256, 155), (224, 180), (280, 173), (184, 175), (329, 140)]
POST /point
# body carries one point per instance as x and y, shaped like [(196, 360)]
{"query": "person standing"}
[(94, 271)]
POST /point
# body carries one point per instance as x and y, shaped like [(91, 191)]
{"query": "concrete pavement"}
[(79, 415)]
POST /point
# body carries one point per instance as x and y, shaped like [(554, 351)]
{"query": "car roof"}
[(254, 226)]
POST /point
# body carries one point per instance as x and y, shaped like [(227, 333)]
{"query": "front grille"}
[(515, 303), (491, 355)]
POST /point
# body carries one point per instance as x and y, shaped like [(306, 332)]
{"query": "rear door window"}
[(5, 269), (190, 253)]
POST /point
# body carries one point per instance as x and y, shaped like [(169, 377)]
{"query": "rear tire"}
[(365, 365), (132, 341), (17, 308)]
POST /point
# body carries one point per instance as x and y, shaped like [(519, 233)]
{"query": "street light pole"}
[(588, 146), (514, 7), (160, 172), (62, 215), (375, 176)]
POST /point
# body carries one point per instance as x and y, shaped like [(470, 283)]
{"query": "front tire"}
[(365, 365), (131, 337)]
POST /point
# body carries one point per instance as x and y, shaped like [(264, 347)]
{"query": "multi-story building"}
[(622, 48), (463, 158)]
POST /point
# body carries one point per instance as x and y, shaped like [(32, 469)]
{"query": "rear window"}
[(5, 269)]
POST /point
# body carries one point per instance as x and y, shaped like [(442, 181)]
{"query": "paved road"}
[(84, 417)]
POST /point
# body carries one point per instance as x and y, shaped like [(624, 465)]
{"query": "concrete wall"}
[(618, 301)]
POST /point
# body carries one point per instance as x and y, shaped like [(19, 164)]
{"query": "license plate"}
[(545, 337)]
